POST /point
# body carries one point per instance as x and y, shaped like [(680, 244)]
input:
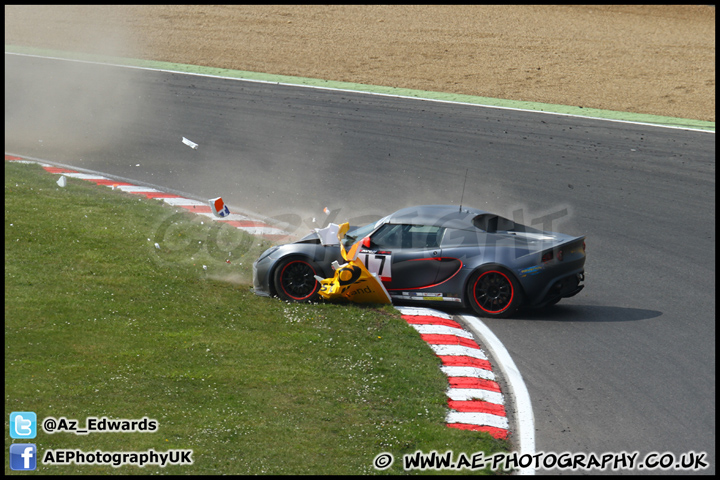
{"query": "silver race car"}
[(437, 253)]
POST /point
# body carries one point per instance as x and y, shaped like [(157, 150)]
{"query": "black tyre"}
[(494, 292), (294, 280)]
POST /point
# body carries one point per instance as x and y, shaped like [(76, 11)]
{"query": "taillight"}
[(560, 255), (547, 256), (583, 247)]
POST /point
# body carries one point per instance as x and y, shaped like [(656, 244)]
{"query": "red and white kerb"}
[(474, 397)]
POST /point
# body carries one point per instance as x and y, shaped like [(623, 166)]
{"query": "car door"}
[(404, 256)]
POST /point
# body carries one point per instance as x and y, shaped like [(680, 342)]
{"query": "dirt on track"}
[(642, 59)]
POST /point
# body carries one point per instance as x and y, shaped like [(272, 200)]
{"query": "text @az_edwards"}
[(99, 425)]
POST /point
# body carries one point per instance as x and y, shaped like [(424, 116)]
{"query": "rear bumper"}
[(565, 287)]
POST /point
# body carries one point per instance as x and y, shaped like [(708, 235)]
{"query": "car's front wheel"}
[(294, 280), (494, 292)]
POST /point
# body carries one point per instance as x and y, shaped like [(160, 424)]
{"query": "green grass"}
[(100, 322)]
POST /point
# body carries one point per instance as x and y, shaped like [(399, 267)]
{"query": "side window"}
[(454, 238), (388, 237), (426, 236), (407, 236)]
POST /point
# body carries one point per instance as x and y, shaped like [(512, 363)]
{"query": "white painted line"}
[(525, 434), (183, 202), (475, 394), (441, 330), (137, 189), (477, 418), (29, 162), (263, 230), (468, 372), (458, 350), (232, 217), (85, 176)]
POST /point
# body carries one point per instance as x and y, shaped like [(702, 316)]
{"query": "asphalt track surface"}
[(627, 365)]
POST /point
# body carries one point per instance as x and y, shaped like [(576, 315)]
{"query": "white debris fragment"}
[(204, 267), (329, 234), (190, 144), (62, 181), (157, 245)]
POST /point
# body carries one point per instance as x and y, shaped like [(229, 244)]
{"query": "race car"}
[(435, 254)]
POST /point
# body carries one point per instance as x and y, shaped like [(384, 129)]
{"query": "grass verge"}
[(99, 321)]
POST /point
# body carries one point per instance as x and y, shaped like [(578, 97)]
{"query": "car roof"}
[(448, 216)]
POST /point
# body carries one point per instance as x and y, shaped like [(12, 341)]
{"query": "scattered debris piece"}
[(62, 181), (329, 234), (190, 144), (219, 208)]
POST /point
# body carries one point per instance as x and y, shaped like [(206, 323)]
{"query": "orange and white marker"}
[(219, 208)]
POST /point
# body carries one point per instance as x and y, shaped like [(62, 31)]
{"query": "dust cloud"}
[(235, 279), (68, 111)]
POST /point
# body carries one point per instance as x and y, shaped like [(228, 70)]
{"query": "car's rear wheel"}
[(294, 280), (494, 292)]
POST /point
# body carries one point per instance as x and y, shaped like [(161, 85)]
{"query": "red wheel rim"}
[(297, 279), (493, 292)]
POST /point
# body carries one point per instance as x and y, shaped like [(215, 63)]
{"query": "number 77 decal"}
[(378, 263)]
